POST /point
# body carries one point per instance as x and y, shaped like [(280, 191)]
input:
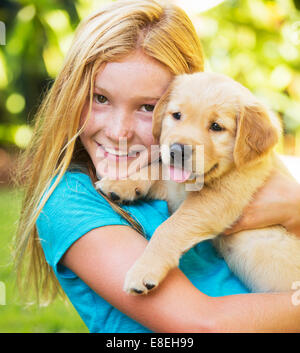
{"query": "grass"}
[(57, 317)]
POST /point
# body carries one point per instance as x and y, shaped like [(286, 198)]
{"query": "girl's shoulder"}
[(74, 190), (74, 181)]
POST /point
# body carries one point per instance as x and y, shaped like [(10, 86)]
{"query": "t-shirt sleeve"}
[(73, 209)]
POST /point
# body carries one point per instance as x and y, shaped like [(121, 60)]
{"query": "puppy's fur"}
[(237, 161)]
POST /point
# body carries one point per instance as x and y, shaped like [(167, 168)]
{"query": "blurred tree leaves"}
[(257, 42), (33, 49), (297, 4)]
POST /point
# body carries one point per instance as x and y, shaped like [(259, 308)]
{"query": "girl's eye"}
[(216, 127), (147, 107), (99, 99)]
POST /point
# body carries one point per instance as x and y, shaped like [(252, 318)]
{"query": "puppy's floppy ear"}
[(257, 133), (159, 111)]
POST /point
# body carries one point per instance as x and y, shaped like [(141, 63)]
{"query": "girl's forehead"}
[(134, 62), (137, 71)]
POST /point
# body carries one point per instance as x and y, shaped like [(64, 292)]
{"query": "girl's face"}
[(118, 134)]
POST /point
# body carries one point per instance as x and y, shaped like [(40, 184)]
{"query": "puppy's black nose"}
[(179, 152), (176, 151)]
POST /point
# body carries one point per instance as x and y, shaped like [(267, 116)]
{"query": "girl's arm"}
[(278, 202), (102, 257)]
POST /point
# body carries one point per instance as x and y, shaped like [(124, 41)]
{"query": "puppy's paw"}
[(140, 280), (123, 191)]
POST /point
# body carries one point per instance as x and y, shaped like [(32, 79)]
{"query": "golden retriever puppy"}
[(235, 135)]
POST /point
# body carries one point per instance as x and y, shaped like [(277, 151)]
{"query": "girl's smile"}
[(114, 154)]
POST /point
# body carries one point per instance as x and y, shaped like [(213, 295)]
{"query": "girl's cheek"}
[(96, 120), (150, 139), (145, 132), (83, 114)]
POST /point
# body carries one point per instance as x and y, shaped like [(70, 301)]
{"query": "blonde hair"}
[(164, 32)]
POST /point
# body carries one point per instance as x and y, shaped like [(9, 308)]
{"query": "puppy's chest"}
[(176, 195)]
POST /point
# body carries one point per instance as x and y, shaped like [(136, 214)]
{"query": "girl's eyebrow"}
[(147, 98), (102, 89), (136, 97)]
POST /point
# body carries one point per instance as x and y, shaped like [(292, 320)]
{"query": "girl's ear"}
[(257, 133), (159, 112)]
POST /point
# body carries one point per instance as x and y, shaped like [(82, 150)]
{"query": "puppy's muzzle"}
[(180, 154)]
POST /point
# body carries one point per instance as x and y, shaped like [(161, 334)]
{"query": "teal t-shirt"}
[(75, 208)]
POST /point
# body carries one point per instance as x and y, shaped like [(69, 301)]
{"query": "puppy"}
[(236, 135)]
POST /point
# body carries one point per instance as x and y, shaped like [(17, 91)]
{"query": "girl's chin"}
[(116, 171), (112, 174)]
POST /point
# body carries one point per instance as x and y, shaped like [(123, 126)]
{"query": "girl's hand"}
[(277, 202)]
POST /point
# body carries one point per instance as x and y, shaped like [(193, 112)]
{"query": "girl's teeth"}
[(119, 153), (116, 153)]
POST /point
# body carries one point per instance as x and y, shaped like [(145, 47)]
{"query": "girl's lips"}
[(113, 154)]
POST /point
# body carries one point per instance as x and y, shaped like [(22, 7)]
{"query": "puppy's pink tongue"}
[(179, 175)]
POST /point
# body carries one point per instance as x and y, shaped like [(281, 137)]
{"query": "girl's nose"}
[(119, 126)]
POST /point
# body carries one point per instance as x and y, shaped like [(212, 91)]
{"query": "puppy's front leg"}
[(186, 227), (136, 186)]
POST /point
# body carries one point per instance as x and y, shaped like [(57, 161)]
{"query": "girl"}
[(120, 63)]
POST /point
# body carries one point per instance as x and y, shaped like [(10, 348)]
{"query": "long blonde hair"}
[(164, 32)]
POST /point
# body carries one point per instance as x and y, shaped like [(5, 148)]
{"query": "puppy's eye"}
[(177, 115), (216, 127)]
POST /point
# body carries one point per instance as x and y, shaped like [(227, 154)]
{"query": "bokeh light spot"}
[(15, 103), (23, 136)]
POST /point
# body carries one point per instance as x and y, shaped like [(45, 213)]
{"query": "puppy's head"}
[(212, 123)]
